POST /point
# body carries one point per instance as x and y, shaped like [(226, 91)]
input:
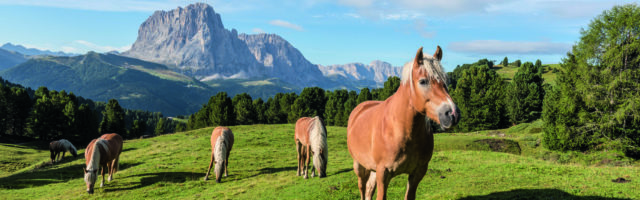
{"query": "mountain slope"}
[(375, 73), (9, 59), (134, 83)]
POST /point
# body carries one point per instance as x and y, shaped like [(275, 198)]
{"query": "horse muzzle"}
[(448, 116)]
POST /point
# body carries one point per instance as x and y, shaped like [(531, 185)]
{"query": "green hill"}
[(262, 165), (136, 84), (548, 74)]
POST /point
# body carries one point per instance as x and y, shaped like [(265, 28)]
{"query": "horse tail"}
[(318, 142), (220, 153)]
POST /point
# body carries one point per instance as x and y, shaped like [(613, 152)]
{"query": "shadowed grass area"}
[(263, 164)]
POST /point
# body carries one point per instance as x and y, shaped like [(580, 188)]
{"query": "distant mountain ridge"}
[(33, 51), (377, 71), (194, 42), (10, 58)]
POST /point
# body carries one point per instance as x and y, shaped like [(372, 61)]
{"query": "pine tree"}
[(597, 93), (525, 94), (113, 119), (222, 111), (244, 110)]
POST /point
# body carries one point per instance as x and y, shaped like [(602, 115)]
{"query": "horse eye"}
[(423, 81)]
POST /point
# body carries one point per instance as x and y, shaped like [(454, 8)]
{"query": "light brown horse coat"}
[(220, 156), (311, 140), (392, 137), (106, 150)]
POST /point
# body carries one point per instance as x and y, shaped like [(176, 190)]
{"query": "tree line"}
[(43, 114)]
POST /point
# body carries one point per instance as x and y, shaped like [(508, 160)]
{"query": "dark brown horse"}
[(102, 152), (311, 140), (392, 137), (221, 145), (59, 148)]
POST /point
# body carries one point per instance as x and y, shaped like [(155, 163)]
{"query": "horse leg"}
[(63, 153), (112, 169), (382, 180), (363, 175), (53, 156), (102, 172), (307, 161), (371, 185), (226, 165), (412, 184), (299, 149), (313, 168), (206, 177)]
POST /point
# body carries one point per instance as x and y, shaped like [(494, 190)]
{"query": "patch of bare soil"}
[(620, 180)]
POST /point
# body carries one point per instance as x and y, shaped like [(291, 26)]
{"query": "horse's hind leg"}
[(206, 177), (412, 184), (113, 168), (371, 185), (299, 149), (307, 161)]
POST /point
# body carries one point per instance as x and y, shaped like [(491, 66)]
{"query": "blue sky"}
[(327, 31)]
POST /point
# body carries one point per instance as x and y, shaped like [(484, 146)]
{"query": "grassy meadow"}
[(504, 164)]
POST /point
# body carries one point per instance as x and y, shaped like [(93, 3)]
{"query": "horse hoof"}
[(306, 177), (205, 179)]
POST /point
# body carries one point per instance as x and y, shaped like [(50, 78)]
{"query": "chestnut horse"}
[(221, 145), (392, 137), (311, 139), (102, 152), (59, 149)]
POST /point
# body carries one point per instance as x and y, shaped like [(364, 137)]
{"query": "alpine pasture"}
[(263, 166)]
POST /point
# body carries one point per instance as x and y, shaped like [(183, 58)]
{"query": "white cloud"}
[(133, 5), (257, 30), (286, 24), (401, 9), (421, 27), (498, 47), (82, 46)]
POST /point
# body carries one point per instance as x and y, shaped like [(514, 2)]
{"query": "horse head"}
[(90, 177), (429, 94)]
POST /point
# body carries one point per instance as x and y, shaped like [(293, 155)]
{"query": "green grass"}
[(510, 71), (263, 163)]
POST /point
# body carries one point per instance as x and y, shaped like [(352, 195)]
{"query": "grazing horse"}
[(311, 139), (392, 137), (59, 149), (102, 152), (221, 145)]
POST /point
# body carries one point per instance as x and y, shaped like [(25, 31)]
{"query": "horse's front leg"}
[(412, 183), (382, 180), (102, 172), (63, 153), (313, 168)]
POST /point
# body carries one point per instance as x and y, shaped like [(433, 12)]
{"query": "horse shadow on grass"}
[(45, 174), (153, 178), (535, 194)]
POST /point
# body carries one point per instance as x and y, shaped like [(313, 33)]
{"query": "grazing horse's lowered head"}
[(102, 152), (221, 145), (429, 95)]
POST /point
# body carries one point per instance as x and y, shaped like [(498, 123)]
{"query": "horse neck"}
[(401, 107), (94, 162)]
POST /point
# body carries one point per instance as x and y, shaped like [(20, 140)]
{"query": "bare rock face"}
[(377, 71), (194, 40), (282, 60)]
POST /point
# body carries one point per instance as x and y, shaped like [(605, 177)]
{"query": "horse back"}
[(302, 130), (115, 143), (219, 131)]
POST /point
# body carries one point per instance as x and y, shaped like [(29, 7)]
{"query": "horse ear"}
[(438, 53), (418, 61)]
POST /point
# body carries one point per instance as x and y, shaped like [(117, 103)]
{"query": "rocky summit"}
[(194, 42)]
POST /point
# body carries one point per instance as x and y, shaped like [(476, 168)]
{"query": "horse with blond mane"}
[(59, 149), (102, 152), (392, 137), (221, 145), (311, 139)]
